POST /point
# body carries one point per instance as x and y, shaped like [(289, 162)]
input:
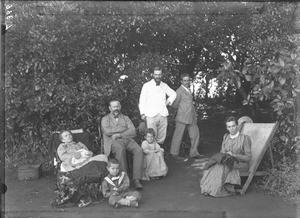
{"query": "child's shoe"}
[(134, 204)]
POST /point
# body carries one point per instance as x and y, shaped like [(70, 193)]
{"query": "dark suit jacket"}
[(186, 112)]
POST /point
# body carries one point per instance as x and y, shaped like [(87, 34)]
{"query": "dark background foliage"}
[(66, 60)]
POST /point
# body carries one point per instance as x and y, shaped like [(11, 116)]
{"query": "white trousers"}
[(159, 124)]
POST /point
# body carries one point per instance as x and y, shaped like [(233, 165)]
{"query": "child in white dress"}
[(155, 166)]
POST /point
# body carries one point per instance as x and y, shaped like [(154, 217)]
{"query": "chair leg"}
[(271, 154), (247, 183)]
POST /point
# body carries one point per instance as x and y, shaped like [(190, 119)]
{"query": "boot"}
[(134, 204)]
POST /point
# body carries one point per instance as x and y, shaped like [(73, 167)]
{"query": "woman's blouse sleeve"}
[(84, 147), (63, 154), (223, 143), (246, 150)]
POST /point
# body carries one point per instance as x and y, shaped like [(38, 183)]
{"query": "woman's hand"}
[(77, 155), (229, 152), (90, 154)]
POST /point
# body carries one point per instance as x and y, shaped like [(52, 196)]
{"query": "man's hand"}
[(143, 117), (116, 136)]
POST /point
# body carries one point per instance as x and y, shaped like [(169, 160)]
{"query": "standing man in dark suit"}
[(186, 119)]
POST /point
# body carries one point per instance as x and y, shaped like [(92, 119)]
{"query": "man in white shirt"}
[(154, 98)]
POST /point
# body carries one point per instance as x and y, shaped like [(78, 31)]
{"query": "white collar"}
[(120, 177), (189, 91), (115, 177), (235, 135)]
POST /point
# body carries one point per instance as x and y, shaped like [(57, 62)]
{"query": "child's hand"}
[(77, 155), (115, 193)]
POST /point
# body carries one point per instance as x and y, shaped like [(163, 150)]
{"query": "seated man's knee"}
[(118, 148), (138, 150)]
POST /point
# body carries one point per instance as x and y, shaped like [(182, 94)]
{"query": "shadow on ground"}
[(176, 196)]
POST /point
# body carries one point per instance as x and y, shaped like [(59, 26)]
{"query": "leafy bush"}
[(63, 64), (284, 180)]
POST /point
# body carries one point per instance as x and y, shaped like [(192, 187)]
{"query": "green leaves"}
[(65, 59)]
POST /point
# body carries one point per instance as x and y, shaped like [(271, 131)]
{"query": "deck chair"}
[(260, 135), (79, 135)]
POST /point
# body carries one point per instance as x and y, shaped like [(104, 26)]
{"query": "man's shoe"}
[(178, 158), (137, 184), (117, 205), (84, 203)]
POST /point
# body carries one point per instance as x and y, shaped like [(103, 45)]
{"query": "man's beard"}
[(116, 112), (157, 80)]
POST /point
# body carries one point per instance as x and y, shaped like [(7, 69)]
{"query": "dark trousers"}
[(119, 148)]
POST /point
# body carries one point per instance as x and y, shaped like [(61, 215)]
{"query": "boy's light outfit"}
[(121, 184)]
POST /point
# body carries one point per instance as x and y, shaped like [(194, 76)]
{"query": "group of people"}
[(221, 172), (155, 96)]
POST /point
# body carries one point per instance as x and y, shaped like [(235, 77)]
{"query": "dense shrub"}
[(66, 60)]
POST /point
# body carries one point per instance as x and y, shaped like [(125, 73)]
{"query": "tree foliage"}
[(66, 60)]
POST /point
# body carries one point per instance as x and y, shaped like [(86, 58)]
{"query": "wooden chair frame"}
[(253, 167)]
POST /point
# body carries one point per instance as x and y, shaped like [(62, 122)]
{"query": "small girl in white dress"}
[(154, 165)]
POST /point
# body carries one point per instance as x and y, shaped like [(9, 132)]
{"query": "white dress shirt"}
[(153, 99)]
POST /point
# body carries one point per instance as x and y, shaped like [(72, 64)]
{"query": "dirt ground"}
[(178, 195)]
